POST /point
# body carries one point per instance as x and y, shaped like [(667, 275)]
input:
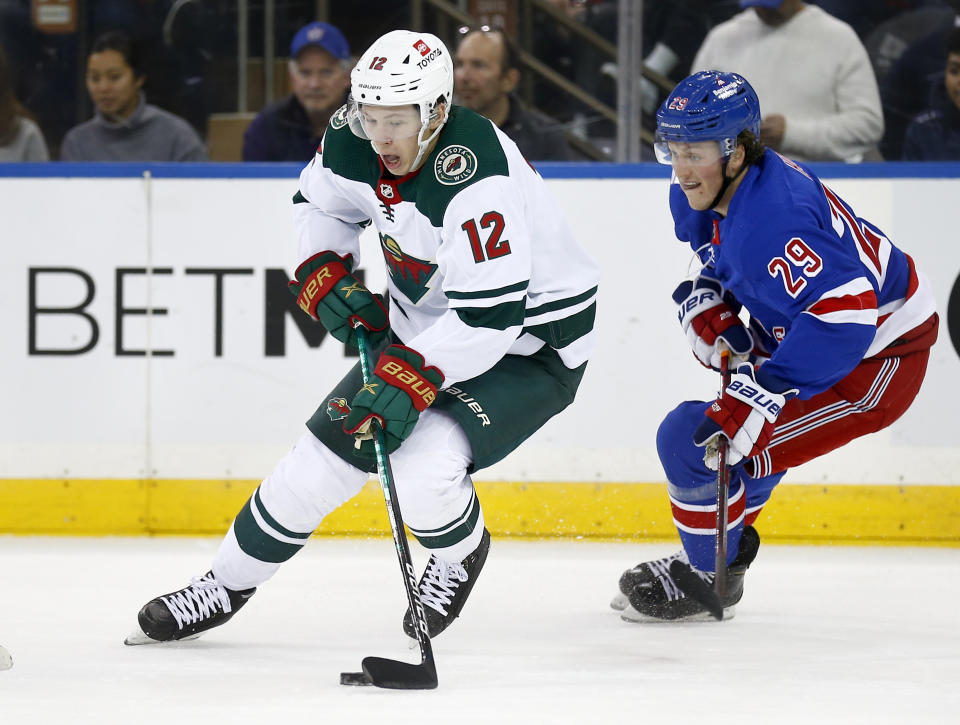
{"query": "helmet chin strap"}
[(727, 180), (422, 142)]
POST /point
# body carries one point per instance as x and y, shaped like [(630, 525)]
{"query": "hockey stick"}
[(380, 671), (692, 585), (723, 492)]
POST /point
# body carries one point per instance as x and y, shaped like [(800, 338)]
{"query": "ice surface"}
[(823, 635)]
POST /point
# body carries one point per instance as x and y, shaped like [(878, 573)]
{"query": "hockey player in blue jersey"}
[(836, 347)]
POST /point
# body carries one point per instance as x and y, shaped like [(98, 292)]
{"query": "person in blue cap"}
[(290, 129)]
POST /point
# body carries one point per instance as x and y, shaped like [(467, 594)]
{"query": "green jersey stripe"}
[(560, 304), (498, 317), (487, 293), (560, 333)]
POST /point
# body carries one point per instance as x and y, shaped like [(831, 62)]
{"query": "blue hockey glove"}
[(708, 319)]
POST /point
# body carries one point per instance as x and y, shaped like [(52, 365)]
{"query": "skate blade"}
[(620, 602), (6, 661), (633, 616), (137, 637)]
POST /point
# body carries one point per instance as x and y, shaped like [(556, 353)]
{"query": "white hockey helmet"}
[(403, 68)]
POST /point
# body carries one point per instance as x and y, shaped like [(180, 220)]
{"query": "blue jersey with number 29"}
[(824, 287)]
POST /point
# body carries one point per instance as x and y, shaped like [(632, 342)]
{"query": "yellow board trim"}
[(909, 515)]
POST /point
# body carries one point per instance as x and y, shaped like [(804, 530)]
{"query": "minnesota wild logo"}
[(337, 408), (454, 165), (339, 117), (409, 274)]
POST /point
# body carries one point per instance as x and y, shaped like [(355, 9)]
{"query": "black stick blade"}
[(697, 589), (354, 678), (395, 675)]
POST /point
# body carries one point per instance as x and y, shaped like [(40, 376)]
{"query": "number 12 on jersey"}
[(494, 246)]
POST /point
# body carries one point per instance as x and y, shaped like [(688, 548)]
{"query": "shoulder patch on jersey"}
[(469, 149), (339, 117), (454, 165)]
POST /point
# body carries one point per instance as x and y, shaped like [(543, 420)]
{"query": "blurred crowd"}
[(143, 80)]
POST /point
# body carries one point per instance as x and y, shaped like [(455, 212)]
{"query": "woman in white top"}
[(20, 138)]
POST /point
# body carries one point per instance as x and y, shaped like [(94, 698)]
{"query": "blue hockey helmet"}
[(707, 106)]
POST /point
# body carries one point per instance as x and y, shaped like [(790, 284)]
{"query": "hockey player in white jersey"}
[(492, 306)]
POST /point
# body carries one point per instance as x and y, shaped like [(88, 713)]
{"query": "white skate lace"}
[(661, 569), (440, 583), (198, 601)]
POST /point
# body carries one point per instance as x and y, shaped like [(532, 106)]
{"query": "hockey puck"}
[(354, 678)]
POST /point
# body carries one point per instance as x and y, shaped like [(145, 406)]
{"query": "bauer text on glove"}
[(745, 413), (401, 387), (708, 318), (327, 292)]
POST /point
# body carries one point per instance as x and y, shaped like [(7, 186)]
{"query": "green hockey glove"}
[(401, 387), (326, 291)]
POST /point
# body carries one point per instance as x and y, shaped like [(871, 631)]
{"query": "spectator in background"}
[(485, 78), (290, 129), (563, 51), (43, 66), (865, 17), (887, 41), (20, 137), (175, 42), (812, 75), (935, 134), (672, 34), (125, 127), (907, 86)]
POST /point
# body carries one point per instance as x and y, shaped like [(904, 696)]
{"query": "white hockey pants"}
[(430, 480)]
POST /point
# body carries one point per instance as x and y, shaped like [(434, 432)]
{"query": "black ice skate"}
[(444, 588), (643, 573), (654, 596), (188, 612)]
